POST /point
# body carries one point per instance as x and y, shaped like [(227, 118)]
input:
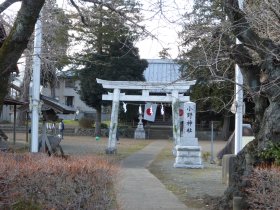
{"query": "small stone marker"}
[(140, 132), (188, 152)]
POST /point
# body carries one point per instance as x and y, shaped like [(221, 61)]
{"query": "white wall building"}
[(66, 93)]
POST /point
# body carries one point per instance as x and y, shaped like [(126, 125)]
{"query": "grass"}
[(71, 122), (156, 169), (128, 147), (26, 204), (124, 149)]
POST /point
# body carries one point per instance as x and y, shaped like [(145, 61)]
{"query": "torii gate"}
[(174, 94)]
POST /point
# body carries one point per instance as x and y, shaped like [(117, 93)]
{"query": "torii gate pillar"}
[(175, 116), (112, 148)]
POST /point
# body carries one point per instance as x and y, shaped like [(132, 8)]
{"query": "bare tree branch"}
[(243, 31), (79, 11), (6, 4), (113, 9)]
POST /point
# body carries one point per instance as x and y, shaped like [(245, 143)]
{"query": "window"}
[(69, 101), (69, 83)]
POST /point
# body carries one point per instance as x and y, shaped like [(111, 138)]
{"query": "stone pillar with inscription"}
[(188, 152)]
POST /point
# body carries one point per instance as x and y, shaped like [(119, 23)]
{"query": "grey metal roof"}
[(158, 70), (162, 70), (12, 101), (50, 103)]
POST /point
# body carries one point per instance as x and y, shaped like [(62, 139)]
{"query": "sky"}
[(163, 23)]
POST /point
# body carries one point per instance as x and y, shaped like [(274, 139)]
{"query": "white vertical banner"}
[(189, 119), (150, 112)]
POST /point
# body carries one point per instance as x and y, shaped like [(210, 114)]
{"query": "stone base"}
[(177, 165), (174, 151), (187, 141), (139, 133), (227, 168), (188, 157)]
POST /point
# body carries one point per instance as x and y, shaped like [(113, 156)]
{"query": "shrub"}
[(36, 181), (271, 154), (205, 156), (86, 122), (264, 188), (5, 122), (104, 126)]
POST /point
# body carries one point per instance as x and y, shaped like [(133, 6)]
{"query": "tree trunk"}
[(265, 93), (225, 129), (98, 121), (17, 40), (26, 82), (4, 81), (52, 84)]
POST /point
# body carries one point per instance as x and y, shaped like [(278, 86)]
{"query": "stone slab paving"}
[(138, 189)]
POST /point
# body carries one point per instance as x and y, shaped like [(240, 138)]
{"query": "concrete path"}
[(138, 189)]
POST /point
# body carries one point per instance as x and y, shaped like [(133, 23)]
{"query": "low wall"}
[(151, 132)]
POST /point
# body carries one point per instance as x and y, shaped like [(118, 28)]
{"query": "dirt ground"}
[(87, 145), (195, 187)]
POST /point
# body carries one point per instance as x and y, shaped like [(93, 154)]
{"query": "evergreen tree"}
[(107, 36), (120, 62)]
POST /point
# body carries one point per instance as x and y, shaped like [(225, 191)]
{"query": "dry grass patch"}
[(264, 187)]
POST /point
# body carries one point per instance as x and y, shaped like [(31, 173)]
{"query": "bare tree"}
[(55, 42), (209, 37), (259, 58), (206, 58), (54, 47)]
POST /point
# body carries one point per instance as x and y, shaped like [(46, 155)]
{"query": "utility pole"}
[(36, 86), (239, 101)]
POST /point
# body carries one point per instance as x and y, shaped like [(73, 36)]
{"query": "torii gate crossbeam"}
[(173, 95)]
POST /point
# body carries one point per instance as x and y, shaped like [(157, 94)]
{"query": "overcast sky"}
[(162, 22)]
